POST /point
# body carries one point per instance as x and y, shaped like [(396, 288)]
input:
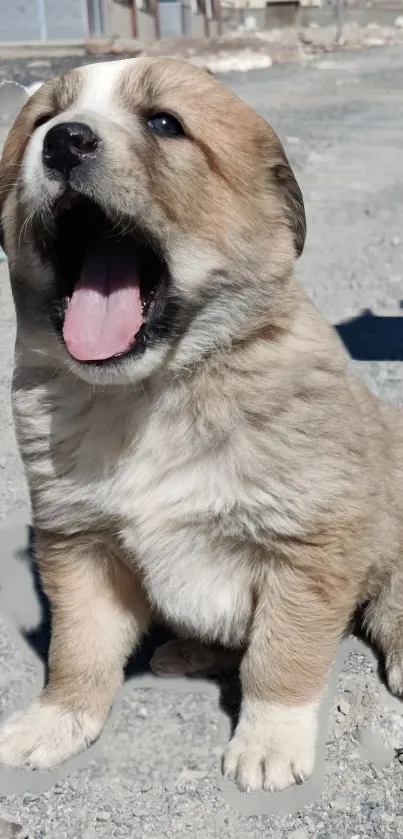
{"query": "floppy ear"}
[(294, 202), (285, 184), (16, 112)]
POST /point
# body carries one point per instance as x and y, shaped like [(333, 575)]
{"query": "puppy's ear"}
[(12, 98), (282, 178), (20, 107), (294, 202)]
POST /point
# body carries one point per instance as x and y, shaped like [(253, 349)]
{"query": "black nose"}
[(67, 144)]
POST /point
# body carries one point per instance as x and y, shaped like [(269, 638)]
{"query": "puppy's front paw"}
[(394, 672), (273, 746), (44, 736)]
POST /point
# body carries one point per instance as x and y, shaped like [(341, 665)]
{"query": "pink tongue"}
[(104, 314)]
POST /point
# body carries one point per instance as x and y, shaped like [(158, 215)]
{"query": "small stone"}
[(344, 707), (396, 239), (341, 803), (99, 46), (127, 46), (374, 749), (301, 833), (114, 46), (399, 22), (12, 830), (142, 712), (103, 816), (388, 818)]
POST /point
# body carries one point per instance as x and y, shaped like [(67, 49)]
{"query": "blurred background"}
[(78, 20)]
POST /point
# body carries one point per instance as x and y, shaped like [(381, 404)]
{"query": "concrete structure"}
[(77, 20), (148, 19), (41, 20), (35, 21)]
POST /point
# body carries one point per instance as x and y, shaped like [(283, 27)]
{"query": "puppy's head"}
[(148, 216)]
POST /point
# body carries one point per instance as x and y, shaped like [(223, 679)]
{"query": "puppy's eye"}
[(166, 125), (41, 120)]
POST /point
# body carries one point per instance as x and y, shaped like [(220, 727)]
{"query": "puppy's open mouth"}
[(110, 281)]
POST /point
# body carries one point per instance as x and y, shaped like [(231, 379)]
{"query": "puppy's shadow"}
[(38, 638), (370, 337)]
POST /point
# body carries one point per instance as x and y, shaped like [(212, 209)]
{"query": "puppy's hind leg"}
[(98, 615), (383, 622), (190, 658)]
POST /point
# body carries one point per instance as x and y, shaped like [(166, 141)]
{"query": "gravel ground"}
[(341, 119)]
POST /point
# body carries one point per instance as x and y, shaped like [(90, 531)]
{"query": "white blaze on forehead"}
[(100, 83)]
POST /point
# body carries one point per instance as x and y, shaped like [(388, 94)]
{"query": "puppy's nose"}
[(67, 144)]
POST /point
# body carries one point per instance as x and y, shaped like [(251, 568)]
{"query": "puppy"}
[(194, 442)]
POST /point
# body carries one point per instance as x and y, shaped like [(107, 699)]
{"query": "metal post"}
[(217, 15), (42, 20), (157, 31), (133, 18), (95, 16), (203, 5), (339, 21)]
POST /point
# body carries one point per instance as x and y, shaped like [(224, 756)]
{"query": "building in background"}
[(78, 20)]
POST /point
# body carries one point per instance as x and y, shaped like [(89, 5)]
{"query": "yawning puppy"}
[(194, 442)]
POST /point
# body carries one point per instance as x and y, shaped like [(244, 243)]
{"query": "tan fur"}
[(236, 479), (93, 596)]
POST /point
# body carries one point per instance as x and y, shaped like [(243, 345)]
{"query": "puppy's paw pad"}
[(182, 658), (44, 736)]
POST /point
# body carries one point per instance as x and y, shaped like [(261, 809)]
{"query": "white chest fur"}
[(98, 460)]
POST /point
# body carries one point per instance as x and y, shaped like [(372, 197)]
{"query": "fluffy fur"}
[(233, 477)]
